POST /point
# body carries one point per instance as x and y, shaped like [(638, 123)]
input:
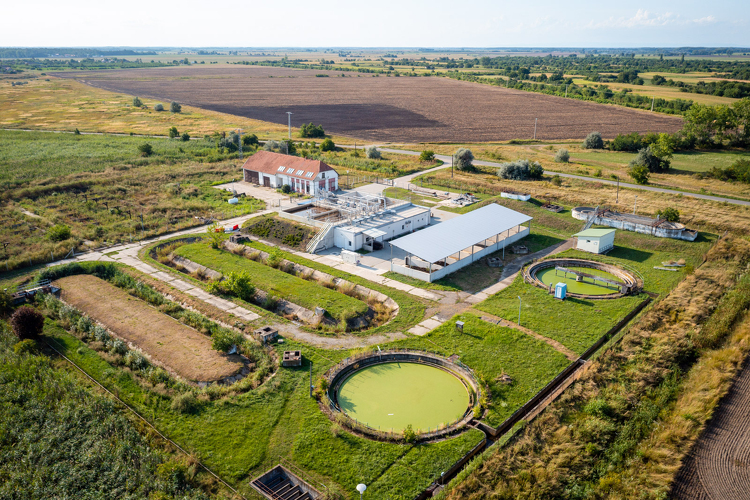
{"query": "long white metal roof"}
[(442, 240)]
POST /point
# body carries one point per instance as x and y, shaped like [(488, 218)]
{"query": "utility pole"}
[(451, 166), (239, 139), (519, 310), (289, 114), (566, 90), (617, 198), (535, 119), (652, 102)]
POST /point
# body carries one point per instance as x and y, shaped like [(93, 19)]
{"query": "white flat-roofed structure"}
[(439, 250)]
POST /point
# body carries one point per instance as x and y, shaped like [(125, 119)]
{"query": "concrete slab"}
[(430, 324), (162, 276), (181, 285), (477, 298), (425, 294), (397, 285), (418, 330)]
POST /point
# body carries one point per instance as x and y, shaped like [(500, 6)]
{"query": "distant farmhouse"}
[(303, 176)]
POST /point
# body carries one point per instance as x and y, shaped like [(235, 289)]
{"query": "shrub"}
[(118, 347), (135, 360), (562, 156), (27, 346), (427, 155), (137, 102), (239, 284), (275, 256), (60, 232), (27, 323), (223, 339), (327, 145), (310, 130), (76, 132), (647, 157), (639, 173), (250, 140), (286, 189), (556, 181), (185, 137), (372, 153), (463, 159), (215, 238), (669, 214), (409, 434), (174, 107), (629, 142), (159, 107), (737, 171), (593, 141), (146, 149), (173, 132), (520, 170), (185, 403), (6, 302)]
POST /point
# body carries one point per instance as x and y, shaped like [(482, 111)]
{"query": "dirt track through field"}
[(718, 467), (380, 108), (182, 349)]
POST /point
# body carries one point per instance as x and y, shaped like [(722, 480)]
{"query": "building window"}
[(350, 243), (290, 170), (309, 174), (323, 175), (402, 226), (281, 169), (300, 172)]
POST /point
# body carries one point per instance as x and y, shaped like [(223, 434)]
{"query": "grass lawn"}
[(414, 197), (305, 293), (238, 437), (687, 161), (587, 320), (411, 309), (390, 165), (492, 350)]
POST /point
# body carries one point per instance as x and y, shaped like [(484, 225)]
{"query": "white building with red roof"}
[(302, 175)]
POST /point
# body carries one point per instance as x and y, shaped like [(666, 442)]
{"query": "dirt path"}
[(552, 343), (718, 467), (341, 342)]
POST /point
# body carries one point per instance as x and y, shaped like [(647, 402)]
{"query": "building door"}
[(332, 184), (251, 176), (267, 182)]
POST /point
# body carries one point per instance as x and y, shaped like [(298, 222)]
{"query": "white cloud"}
[(644, 18)]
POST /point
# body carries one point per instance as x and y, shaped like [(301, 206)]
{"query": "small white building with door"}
[(303, 176), (596, 240)]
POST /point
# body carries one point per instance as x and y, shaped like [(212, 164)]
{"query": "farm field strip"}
[(379, 108), (179, 347)]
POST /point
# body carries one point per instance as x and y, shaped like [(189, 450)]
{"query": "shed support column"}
[(472, 253)]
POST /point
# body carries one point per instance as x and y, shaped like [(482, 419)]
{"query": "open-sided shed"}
[(441, 249)]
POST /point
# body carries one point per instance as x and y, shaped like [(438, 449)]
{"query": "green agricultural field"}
[(305, 293), (682, 162)]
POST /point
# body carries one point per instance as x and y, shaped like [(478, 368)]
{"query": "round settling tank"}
[(390, 396)]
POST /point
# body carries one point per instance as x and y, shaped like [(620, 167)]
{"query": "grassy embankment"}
[(275, 282), (623, 428)]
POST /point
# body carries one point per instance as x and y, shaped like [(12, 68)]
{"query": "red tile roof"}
[(269, 163)]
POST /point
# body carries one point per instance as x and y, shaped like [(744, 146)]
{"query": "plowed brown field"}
[(380, 108), (167, 341), (718, 467)]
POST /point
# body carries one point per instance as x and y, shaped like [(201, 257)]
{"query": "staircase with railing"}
[(312, 246)]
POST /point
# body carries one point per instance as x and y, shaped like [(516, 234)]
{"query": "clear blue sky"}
[(383, 23)]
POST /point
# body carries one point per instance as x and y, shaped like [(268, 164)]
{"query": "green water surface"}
[(394, 395), (548, 276)]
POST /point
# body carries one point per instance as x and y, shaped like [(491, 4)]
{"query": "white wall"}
[(596, 244)]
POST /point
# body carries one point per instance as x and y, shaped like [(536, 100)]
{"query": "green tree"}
[(185, 137), (239, 284), (327, 145), (372, 153), (670, 214), (27, 323), (146, 149), (463, 159), (653, 162), (427, 155), (639, 173), (159, 107), (137, 102), (308, 130), (250, 140), (593, 141), (174, 107), (173, 132)]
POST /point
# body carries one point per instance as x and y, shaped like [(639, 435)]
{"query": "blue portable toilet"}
[(561, 289)]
